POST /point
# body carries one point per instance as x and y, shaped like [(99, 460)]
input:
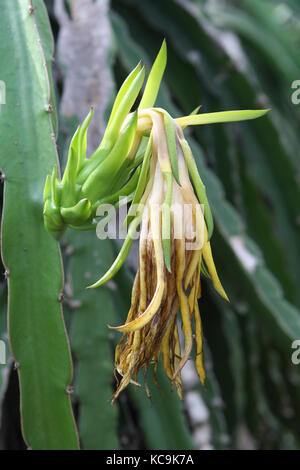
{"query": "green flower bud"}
[(53, 220)]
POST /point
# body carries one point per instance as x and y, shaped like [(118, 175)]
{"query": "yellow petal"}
[(199, 345), (207, 255)]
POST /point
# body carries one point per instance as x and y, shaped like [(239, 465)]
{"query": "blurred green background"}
[(223, 55)]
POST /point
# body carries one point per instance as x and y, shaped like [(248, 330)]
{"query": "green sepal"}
[(166, 221), (47, 189), (121, 177), (220, 117), (78, 214), (195, 111), (172, 147), (119, 261), (112, 131), (126, 190), (55, 189), (141, 183), (68, 184), (52, 220), (82, 138), (138, 159), (100, 182), (204, 270), (123, 90), (198, 185), (154, 79), (88, 227)]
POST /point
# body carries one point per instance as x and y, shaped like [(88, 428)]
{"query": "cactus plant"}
[(248, 175), (31, 257), (91, 343), (167, 231)]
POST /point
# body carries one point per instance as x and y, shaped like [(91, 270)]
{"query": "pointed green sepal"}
[(82, 138), (198, 185), (47, 189), (112, 131), (225, 116), (53, 220), (141, 183), (123, 90), (101, 180), (204, 270), (68, 184), (77, 214), (126, 190), (166, 221), (172, 147), (119, 261), (154, 79), (195, 111), (55, 188)]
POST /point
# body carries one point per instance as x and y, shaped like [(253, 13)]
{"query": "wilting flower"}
[(173, 246), (144, 155), (174, 250)]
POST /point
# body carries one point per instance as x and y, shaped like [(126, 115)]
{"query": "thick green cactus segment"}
[(31, 256), (91, 343), (213, 399), (3, 344)]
